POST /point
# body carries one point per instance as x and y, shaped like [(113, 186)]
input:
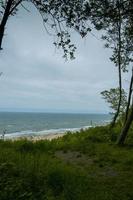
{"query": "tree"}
[(58, 17), (114, 41), (129, 115), (113, 21), (129, 96), (112, 98), (115, 18), (126, 127)]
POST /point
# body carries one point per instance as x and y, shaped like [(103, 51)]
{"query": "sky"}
[(36, 78)]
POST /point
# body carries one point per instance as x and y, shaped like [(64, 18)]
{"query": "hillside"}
[(81, 166)]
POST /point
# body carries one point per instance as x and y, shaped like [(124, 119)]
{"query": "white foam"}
[(43, 132)]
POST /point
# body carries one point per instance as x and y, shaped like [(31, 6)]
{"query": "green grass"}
[(81, 166)]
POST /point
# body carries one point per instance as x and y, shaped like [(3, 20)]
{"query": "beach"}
[(46, 126), (35, 138), (45, 137)]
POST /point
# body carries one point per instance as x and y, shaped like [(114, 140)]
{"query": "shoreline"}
[(35, 138), (43, 135)]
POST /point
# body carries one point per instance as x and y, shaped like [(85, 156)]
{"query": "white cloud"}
[(36, 77)]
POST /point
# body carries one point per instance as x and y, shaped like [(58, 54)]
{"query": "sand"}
[(35, 138), (46, 137)]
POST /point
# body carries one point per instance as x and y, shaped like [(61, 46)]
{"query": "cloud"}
[(36, 77)]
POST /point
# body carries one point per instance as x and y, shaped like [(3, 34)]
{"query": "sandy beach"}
[(38, 137), (46, 137)]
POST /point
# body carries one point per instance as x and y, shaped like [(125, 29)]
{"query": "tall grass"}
[(81, 166)]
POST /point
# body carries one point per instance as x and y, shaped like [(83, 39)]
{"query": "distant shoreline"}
[(46, 126), (42, 135), (38, 137), (48, 136)]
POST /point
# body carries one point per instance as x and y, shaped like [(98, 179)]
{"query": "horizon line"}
[(53, 112)]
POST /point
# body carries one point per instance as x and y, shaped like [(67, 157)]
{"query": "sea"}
[(17, 124)]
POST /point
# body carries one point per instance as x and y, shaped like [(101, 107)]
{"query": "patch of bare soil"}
[(74, 157)]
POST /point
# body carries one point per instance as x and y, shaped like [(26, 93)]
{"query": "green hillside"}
[(81, 166)]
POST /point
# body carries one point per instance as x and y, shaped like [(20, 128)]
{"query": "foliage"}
[(115, 19), (112, 97), (111, 17), (58, 17)]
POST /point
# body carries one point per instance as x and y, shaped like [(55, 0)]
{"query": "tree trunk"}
[(129, 116), (4, 20), (119, 70), (126, 127), (129, 97)]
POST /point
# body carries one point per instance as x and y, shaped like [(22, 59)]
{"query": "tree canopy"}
[(112, 98), (58, 16)]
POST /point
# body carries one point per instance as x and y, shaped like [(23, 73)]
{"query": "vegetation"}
[(58, 18), (80, 166), (85, 165), (112, 98), (113, 18)]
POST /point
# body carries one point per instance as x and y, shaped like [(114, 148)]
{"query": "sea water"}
[(25, 124)]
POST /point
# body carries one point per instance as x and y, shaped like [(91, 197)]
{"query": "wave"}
[(43, 132), (28, 133)]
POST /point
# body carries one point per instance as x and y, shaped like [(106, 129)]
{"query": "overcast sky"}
[(36, 77)]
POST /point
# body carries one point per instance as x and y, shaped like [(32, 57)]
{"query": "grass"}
[(81, 166)]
